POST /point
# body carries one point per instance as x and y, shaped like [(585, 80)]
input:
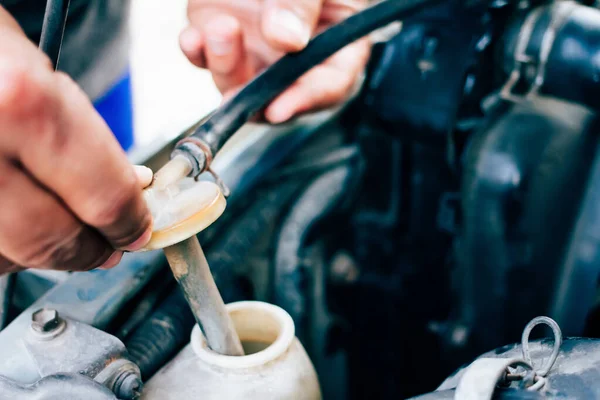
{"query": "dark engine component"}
[(497, 189), (524, 174), (316, 202), (428, 75), (554, 50), (574, 377)]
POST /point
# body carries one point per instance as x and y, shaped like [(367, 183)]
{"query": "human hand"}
[(236, 39), (69, 195)]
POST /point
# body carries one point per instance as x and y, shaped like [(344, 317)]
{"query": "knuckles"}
[(28, 107), (21, 92)]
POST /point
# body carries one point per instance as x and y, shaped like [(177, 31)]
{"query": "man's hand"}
[(68, 196), (236, 39)]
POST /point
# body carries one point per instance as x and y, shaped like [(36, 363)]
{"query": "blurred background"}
[(169, 93)]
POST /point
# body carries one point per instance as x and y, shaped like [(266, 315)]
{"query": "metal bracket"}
[(81, 349), (59, 386), (483, 375)]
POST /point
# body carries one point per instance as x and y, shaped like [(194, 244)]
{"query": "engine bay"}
[(452, 200)]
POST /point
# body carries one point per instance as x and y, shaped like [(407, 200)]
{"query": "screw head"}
[(45, 320), (130, 387)]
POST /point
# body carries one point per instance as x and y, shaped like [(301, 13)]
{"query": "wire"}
[(226, 120), (53, 29)]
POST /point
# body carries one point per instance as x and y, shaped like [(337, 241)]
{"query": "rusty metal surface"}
[(191, 270), (81, 349), (62, 386), (92, 297)]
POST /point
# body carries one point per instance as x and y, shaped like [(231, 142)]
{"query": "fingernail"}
[(278, 115), (141, 242), (289, 28), (144, 174), (222, 32), (190, 39), (219, 46), (112, 260)]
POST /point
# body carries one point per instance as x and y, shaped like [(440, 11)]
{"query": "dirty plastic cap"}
[(182, 209)]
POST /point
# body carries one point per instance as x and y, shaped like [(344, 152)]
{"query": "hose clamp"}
[(536, 64)]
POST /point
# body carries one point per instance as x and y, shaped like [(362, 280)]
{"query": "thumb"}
[(287, 25)]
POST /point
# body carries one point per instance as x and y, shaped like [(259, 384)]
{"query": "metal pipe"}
[(191, 270)]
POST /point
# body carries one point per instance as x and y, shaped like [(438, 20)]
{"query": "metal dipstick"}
[(191, 270)]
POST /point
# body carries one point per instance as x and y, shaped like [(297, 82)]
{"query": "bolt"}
[(130, 386), (343, 268), (45, 320)]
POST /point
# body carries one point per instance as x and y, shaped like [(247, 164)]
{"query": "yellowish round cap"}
[(182, 209)]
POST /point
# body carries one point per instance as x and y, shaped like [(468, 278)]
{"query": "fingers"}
[(234, 40), (225, 54), (220, 48), (323, 86), (287, 25), (335, 11), (37, 230), (8, 22), (144, 175), (192, 45), (49, 126)]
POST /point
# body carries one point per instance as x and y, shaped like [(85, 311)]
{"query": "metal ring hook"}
[(557, 342)]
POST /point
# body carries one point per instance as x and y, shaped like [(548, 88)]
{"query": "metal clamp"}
[(484, 375), (555, 350), (481, 378), (200, 156), (522, 60)]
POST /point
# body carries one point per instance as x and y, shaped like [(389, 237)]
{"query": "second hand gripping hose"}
[(218, 128)]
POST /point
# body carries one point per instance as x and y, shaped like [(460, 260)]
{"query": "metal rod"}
[(53, 28), (191, 270)]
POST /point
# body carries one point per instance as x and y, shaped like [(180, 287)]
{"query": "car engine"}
[(454, 199)]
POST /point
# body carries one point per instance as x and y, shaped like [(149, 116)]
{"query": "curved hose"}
[(524, 172), (225, 121), (161, 335), (316, 202)]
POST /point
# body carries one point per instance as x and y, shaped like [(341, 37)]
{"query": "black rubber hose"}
[(225, 121), (161, 335), (53, 29), (316, 202)]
